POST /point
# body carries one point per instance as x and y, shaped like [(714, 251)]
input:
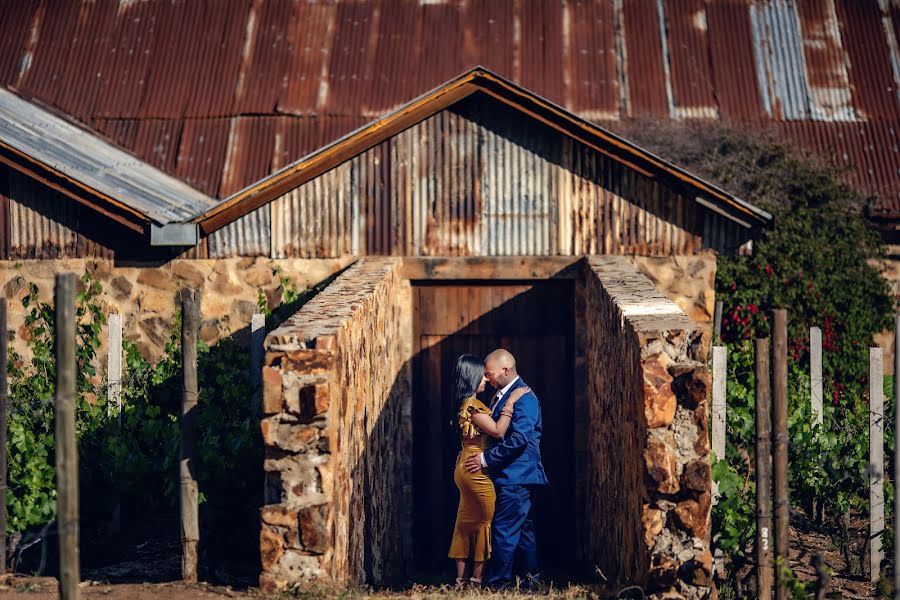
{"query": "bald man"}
[(515, 466)]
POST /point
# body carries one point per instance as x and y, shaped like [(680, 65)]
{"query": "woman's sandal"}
[(474, 583), (461, 584)]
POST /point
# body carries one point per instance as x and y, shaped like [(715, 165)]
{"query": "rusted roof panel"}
[(53, 33), (875, 91), (143, 73), (489, 36), (592, 76), (17, 19), (131, 56), (309, 47), (689, 54), (442, 42), (397, 50), (81, 80), (826, 61), (871, 150), (250, 148), (349, 69), (540, 42), (731, 56), (779, 59), (265, 57), (201, 154), (644, 58)]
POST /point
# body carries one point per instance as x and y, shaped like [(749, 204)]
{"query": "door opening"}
[(535, 321)]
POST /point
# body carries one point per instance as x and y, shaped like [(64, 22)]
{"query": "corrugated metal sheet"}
[(643, 54), (322, 68), (65, 148), (691, 71), (477, 180), (731, 48), (780, 60), (826, 62), (42, 222), (863, 33)]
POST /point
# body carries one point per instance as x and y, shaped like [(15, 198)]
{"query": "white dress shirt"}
[(494, 402)]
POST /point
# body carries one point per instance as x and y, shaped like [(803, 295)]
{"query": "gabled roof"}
[(528, 103), (92, 171)]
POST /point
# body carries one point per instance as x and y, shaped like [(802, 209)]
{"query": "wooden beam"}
[(494, 268)]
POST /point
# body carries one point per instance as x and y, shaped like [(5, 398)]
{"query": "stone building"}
[(477, 215)]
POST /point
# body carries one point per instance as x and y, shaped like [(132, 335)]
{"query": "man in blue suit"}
[(515, 467)]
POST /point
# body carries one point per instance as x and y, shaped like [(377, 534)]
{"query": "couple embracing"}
[(497, 472)]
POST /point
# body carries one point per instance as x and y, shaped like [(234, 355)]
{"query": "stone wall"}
[(648, 480), (338, 434), (146, 295), (687, 280)]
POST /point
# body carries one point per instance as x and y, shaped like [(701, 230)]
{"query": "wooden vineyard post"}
[(815, 374), (66, 450), (114, 396), (190, 526), (4, 399), (257, 356), (719, 407), (876, 461), (896, 452), (717, 321), (763, 471), (780, 452)]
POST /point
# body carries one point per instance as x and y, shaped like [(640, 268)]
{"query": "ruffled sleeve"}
[(471, 407)]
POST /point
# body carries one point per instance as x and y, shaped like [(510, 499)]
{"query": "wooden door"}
[(534, 321)]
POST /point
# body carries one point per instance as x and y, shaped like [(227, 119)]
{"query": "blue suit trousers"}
[(512, 537)]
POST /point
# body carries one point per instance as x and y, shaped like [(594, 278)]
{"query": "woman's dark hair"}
[(467, 375)]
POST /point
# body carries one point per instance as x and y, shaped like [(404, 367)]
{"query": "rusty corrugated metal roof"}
[(173, 81)]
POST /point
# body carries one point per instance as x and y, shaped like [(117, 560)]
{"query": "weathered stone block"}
[(693, 515), (661, 466), (698, 386), (279, 515), (314, 531), (659, 398), (185, 271), (271, 547), (308, 362), (697, 476), (271, 380), (156, 278), (653, 521)]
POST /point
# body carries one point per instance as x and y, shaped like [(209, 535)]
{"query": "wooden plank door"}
[(534, 321)]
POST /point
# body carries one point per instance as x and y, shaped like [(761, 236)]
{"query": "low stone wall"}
[(146, 295), (687, 280), (338, 434), (648, 480)]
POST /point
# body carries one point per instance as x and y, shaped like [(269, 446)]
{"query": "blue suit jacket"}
[(516, 459)]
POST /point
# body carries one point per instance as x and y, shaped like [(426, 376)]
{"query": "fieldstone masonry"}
[(338, 434), (649, 481), (147, 295)]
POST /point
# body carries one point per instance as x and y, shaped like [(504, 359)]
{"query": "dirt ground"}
[(44, 588)]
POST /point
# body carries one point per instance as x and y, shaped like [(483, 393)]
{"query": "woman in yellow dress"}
[(472, 533)]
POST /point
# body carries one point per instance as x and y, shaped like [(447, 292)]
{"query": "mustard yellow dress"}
[(472, 534)]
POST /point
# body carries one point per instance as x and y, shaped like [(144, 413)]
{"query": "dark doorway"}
[(535, 321)]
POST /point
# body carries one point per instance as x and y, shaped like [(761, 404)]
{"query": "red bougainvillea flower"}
[(752, 308), (733, 286), (769, 270)]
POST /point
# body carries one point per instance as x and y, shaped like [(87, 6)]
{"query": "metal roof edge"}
[(475, 79), (24, 160)]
